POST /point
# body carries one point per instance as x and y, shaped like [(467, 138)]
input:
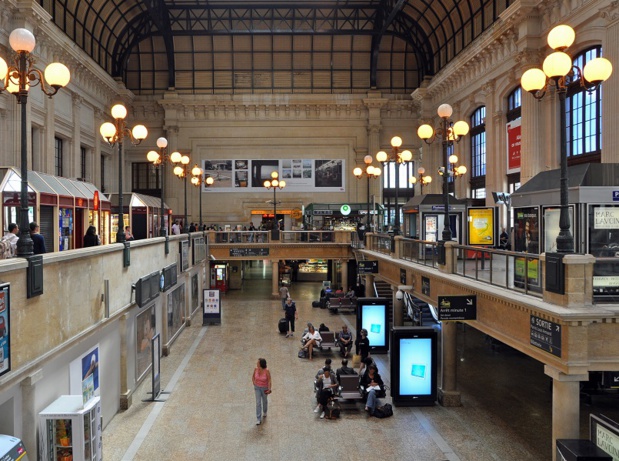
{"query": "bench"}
[(337, 304), (328, 340), (349, 388)]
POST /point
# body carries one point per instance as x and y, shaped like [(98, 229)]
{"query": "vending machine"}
[(70, 430)]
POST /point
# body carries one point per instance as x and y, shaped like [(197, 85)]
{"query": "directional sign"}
[(457, 307), (546, 335), (249, 251), (367, 267)]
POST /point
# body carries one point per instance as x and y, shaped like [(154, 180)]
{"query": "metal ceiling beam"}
[(159, 14)]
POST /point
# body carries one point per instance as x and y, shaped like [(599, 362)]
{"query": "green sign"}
[(345, 210)]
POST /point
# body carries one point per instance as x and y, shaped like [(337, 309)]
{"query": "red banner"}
[(513, 146)]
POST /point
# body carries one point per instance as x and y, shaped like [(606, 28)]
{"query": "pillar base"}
[(449, 398), (126, 400)]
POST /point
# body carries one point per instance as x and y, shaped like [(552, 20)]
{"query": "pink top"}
[(261, 379)]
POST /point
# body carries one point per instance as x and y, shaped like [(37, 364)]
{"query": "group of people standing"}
[(12, 236)]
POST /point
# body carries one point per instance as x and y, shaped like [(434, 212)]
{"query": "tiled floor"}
[(209, 413)]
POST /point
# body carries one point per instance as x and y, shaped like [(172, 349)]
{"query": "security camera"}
[(399, 295)]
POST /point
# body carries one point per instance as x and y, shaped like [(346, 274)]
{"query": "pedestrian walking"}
[(284, 294), (262, 387), (291, 315)]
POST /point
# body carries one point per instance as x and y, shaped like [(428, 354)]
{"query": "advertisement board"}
[(5, 328), (372, 316), (513, 145), (212, 306), (481, 226), (413, 366)]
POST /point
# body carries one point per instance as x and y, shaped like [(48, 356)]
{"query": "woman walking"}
[(262, 387)]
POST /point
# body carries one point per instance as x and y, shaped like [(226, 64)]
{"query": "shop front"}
[(142, 213), (424, 218), (64, 208), (342, 216)]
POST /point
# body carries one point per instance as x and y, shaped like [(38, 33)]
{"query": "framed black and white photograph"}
[(329, 173), (145, 330)]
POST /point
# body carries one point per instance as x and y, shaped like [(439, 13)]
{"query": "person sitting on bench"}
[(345, 341), (312, 338), (372, 384), (327, 385), (344, 370)]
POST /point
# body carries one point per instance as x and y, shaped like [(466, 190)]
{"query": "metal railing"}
[(515, 271), (420, 251), (307, 236), (242, 236)]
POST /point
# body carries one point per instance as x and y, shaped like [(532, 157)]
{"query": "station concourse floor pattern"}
[(209, 413)]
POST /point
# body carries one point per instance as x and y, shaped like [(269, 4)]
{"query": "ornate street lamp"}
[(197, 179), (448, 132), (370, 172), (275, 184), (114, 133), (18, 77), (559, 71), (400, 157), (160, 160), (182, 171), (424, 179)]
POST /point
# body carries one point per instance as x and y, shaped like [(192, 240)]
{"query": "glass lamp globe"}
[(561, 37), (178, 170), (453, 158), (376, 172), (210, 181), (461, 128), (274, 175), (461, 170), (196, 170), (22, 40), (427, 179), (425, 131), (139, 132), (369, 170), (4, 69), (557, 64), (598, 70), (444, 111), (162, 143), (282, 184), (195, 180), (381, 156), (107, 130), (152, 156), (421, 170), (357, 172), (406, 156), (367, 159), (267, 184), (396, 141), (57, 75), (412, 179), (175, 157), (185, 160), (533, 80), (119, 111)]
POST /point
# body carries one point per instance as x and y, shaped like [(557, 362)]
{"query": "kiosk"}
[(424, 217)]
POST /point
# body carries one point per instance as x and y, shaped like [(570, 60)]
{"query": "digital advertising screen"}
[(372, 315), (414, 366)]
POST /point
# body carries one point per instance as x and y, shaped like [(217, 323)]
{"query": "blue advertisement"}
[(415, 366), (375, 322), (5, 343)]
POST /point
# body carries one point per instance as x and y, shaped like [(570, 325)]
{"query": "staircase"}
[(383, 290)]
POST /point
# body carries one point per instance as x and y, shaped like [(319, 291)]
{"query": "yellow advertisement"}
[(481, 226)]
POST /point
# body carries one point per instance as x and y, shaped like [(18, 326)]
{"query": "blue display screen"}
[(374, 321), (415, 366)]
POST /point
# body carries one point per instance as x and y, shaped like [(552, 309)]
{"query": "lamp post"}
[(18, 77), (275, 184), (159, 160), (114, 133), (424, 179), (449, 132), (371, 172), (559, 71), (197, 179), (399, 157), (182, 171)]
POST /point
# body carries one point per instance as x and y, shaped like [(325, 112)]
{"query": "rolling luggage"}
[(283, 326), (316, 304)]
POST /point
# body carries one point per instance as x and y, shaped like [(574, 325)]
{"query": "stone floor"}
[(209, 413)]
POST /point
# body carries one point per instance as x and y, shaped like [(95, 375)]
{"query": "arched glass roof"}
[(275, 46)]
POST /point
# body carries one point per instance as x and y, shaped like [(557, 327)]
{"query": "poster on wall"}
[(513, 146), (481, 226), (5, 328), (301, 175), (176, 309), (552, 228), (84, 375), (526, 230), (145, 330)]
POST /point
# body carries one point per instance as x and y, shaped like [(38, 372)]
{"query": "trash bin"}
[(580, 450)]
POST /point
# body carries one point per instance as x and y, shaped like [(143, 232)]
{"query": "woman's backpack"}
[(333, 410), (383, 412)]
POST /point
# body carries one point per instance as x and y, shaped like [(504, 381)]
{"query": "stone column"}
[(30, 419), (450, 256), (74, 162), (344, 274), (275, 278), (565, 405), (610, 93), (97, 154), (50, 136), (448, 395), (369, 286), (578, 281)]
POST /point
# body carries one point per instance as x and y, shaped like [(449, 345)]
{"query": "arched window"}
[(478, 153), (404, 192), (514, 114), (583, 116)]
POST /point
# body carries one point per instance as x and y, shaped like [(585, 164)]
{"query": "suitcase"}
[(283, 326), (316, 304)]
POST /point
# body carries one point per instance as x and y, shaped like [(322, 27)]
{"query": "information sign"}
[(457, 307), (367, 267), (241, 252), (211, 312), (546, 335)]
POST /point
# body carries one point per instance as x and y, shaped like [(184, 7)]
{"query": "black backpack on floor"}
[(384, 412)]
